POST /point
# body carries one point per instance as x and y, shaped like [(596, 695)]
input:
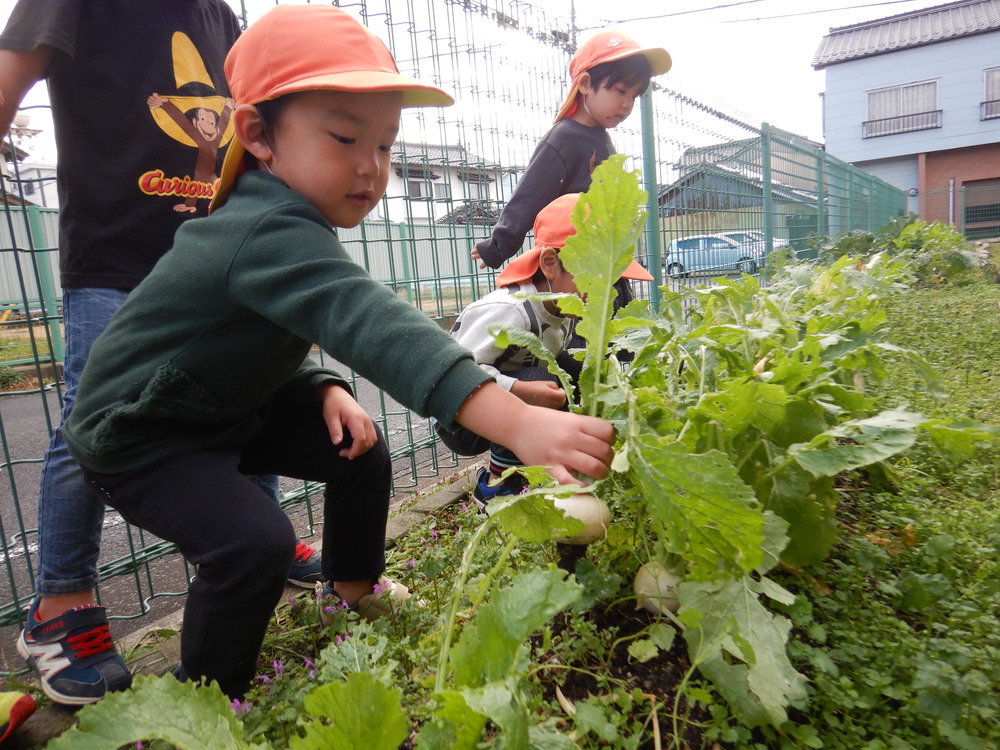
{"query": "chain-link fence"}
[(722, 194)]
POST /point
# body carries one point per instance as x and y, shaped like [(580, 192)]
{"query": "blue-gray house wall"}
[(957, 65)]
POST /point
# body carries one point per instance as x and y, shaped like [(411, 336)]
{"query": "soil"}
[(658, 678)]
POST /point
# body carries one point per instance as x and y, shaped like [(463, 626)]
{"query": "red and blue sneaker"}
[(73, 655), (307, 567)]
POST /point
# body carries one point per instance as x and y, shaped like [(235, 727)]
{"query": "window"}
[(991, 94), (716, 243), (981, 202), (414, 188), (442, 190), (902, 109), (478, 190)]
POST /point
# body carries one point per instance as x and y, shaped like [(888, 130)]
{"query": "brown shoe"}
[(388, 593)]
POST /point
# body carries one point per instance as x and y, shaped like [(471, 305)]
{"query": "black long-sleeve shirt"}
[(563, 162)]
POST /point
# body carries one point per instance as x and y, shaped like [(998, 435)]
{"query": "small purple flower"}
[(376, 589), (138, 745), (265, 679), (279, 666), (328, 610), (434, 534), (240, 707), (293, 603), (308, 662)]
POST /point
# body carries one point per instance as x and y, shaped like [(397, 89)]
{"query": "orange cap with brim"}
[(607, 46), (553, 226), (305, 48)]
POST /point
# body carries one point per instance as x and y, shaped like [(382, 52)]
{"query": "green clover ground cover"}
[(804, 411)]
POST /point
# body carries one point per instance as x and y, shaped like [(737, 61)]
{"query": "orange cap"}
[(606, 46), (553, 226), (304, 48)]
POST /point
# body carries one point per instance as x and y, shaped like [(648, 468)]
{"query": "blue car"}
[(712, 253)]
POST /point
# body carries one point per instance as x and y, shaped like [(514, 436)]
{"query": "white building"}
[(431, 184)]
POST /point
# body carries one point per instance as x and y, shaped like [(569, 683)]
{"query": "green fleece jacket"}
[(227, 317)]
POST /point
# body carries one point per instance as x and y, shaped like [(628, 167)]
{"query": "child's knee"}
[(269, 537)]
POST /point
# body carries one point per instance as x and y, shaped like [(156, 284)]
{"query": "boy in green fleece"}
[(202, 376)]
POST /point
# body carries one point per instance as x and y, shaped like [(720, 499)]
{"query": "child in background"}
[(609, 71), (202, 376), (516, 368)]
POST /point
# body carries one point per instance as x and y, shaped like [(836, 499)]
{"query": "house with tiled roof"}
[(431, 183), (914, 99)]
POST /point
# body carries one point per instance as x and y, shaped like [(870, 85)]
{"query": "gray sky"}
[(742, 56)]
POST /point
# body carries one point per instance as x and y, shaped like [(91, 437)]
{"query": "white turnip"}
[(656, 589), (591, 510)]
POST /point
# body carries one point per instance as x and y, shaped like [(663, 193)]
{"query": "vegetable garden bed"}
[(826, 495)]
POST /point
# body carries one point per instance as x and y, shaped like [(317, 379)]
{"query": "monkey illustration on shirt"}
[(198, 117)]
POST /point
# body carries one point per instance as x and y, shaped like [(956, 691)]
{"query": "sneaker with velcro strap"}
[(73, 655), (483, 492)]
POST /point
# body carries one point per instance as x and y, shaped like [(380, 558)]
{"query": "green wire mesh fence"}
[(723, 193)]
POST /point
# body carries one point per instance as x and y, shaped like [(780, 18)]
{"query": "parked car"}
[(712, 252)]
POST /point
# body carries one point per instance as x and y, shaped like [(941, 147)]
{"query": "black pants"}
[(240, 539)]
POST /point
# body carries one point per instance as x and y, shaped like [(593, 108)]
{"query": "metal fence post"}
[(765, 184), (653, 249), (404, 255), (821, 208), (961, 210)]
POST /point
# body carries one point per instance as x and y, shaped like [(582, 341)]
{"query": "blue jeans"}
[(70, 514)]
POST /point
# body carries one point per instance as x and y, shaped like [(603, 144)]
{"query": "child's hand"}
[(540, 393), (562, 441), (341, 412), (475, 256), (566, 443)]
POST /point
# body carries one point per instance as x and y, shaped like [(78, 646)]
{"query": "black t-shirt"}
[(142, 117), (562, 163)]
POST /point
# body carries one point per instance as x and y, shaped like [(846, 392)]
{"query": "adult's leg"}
[(70, 515), (67, 638)]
